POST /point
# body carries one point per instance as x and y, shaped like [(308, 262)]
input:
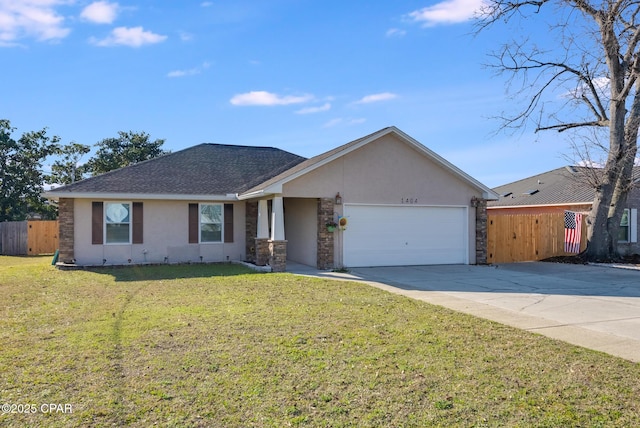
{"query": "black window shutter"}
[(193, 223), (137, 223), (228, 222), (96, 223)]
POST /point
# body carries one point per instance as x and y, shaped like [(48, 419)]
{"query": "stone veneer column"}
[(278, 256), (251, 228), (65, 230), (481, 229), (325, 238), (263, 252)]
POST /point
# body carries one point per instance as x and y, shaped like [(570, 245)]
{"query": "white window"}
[(210, 222), (117, 222), (623, 232)]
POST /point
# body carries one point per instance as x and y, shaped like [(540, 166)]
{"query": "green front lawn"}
[(218, 345)]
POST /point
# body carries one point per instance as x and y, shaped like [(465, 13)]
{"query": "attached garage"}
[(404, 204), (397, 235)]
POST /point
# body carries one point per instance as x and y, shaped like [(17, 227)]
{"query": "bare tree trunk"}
[(624, 184), (601, 232), (612, 55), (598, 236), (611, 195), (617, 206), (607, 212)]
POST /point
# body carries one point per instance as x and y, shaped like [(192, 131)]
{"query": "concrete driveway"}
[(596, 307)]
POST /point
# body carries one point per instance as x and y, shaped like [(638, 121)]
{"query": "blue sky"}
[(303, 76)]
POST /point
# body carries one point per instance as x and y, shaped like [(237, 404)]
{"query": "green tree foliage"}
[(21, 175), (21, 166), (127, 149), (67, 169)]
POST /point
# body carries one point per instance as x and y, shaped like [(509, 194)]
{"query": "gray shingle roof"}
[(567, 185), (205, 169)]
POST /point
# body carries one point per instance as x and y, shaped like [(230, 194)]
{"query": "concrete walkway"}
[(597, 307)]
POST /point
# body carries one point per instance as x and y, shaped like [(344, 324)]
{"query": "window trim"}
[(221, 205), (633, 225), (104, 217)]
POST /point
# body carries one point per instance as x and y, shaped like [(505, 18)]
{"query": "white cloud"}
[(186, 37), (344, 121), (206, 4), (374, 98), (31, 18), (263, 98), (317, 109), (590, 164), (595, 164), (333, 122), (395, 32), (100, 12), (601, 84), (189, 72), (447, 12), (133, 37)]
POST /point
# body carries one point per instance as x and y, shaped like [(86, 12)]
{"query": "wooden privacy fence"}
[(527, 237), (33, 237)]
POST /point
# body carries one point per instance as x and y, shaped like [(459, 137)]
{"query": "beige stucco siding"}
[(388, 171), (301, 229), (385, 171), (165, 236)]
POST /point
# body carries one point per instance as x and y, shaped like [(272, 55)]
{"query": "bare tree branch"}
[(566, 126), (594, 66)]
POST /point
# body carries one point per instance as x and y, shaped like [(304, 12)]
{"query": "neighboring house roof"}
[(205, 169), (274, 185), (563, 186)]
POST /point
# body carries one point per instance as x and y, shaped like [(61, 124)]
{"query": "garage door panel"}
[(394, 235), (400, 258)]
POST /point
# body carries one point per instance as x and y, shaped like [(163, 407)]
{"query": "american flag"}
[(572, 231)]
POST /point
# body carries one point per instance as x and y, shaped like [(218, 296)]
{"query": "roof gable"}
[(274, 185), (205, 169)]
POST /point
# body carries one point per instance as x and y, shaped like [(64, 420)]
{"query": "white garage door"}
[(379, 235)]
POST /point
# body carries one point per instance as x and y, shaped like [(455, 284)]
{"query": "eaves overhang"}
[(140, 196), (251, 195), (564, 204)]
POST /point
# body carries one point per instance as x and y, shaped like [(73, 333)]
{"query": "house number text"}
[(409, 200)]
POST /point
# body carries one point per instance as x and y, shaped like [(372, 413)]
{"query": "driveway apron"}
[(597, 307)]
